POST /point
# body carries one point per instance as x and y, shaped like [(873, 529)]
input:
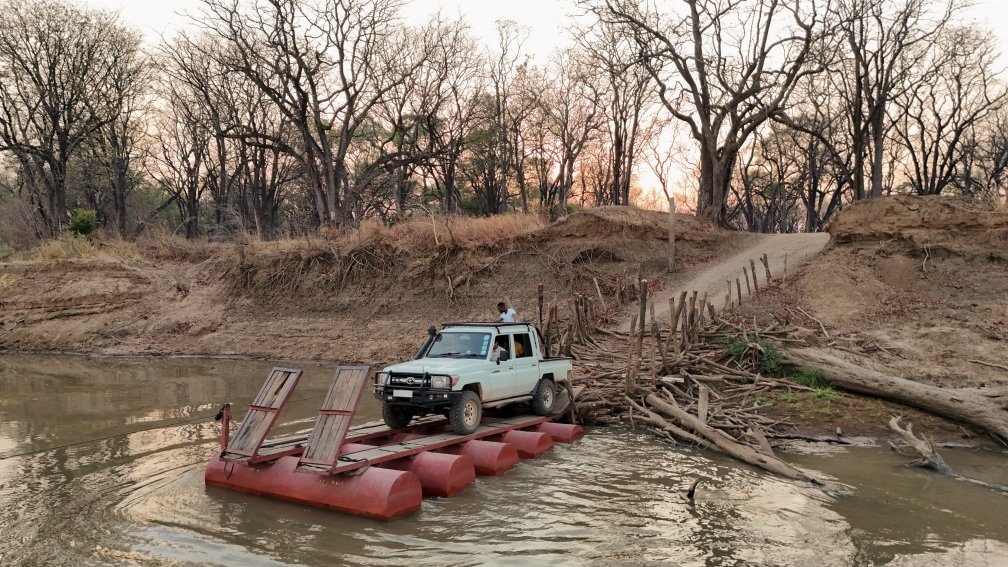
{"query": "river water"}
[(101, 463)]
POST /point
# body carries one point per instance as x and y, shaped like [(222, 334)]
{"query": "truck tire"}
[(466, 413), (543, 397), (396, 417)]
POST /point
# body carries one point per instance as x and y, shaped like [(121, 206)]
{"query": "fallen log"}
[(968, 405), (930, 457), (725, 443)]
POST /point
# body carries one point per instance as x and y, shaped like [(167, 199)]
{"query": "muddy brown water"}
[(113, 475)]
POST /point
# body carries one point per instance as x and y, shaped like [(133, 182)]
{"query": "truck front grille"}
[(409, 380)]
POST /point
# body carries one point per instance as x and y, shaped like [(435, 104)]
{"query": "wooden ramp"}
[(334, 418), (247, 442)]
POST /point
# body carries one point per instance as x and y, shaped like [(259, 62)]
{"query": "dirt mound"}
[(957, 224), (622, 222), (912, 287)]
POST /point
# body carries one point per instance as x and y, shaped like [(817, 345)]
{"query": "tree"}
[(721, 68), (324, 65), (628, 95), (570, 108), (953, 90), (66, 73)]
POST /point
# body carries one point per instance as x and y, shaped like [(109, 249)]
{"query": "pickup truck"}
[(466, 367)]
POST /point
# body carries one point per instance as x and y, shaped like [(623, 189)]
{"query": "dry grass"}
[(67, 246), (425, 233)]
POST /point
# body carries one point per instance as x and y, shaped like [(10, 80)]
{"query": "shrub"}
[(809, 378), (765, 353), (66, 246), (83, 222)]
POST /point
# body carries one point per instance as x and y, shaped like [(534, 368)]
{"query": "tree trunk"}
[(984, 409)]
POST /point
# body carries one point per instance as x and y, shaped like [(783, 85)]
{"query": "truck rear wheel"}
[(396, 417), (466, 413), (543, 397)]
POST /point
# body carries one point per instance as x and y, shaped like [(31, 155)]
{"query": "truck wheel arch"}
[(476, 388), (549, 376)]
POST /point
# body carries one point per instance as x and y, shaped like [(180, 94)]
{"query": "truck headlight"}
[(444, 382), (381, 378)]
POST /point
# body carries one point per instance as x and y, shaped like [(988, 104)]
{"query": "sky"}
[(545, 20)]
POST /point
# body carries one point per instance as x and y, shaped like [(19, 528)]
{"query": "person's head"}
[(501, 307)]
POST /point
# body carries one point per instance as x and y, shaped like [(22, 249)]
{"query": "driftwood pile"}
[(677, 377)]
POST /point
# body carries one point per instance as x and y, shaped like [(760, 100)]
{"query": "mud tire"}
[(466, 413), (395, 416), (544, 397)]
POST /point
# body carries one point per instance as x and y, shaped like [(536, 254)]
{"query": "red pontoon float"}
[(368, 470)]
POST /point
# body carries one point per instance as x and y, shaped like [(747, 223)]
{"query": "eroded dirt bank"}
[(369, 300)]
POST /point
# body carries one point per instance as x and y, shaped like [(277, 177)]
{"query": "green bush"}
[(83, 222), (765, 352)]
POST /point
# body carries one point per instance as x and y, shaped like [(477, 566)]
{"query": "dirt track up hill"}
[(712, 279)]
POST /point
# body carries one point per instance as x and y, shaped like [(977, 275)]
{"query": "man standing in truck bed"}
[(507, 314)]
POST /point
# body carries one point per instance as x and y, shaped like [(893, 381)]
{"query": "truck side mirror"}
[(504, 357)]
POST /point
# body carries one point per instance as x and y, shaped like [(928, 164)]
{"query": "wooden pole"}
[(643, 307), (671, 234), (601, 299), (766, 266), (540, 305), (785, 266), (755, 284), (746, 272), (738, 286)]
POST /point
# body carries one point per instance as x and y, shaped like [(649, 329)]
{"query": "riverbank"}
[(921, 297)]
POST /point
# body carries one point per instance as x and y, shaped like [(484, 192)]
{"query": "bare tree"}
[(325, 65), (66, 73), (721, 68), (571, 110), (628, 94), (180, 163), (943, 99)]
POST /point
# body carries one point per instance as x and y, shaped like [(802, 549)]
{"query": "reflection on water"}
[(137, 494)]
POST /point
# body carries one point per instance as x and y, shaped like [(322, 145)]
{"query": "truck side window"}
[(523, 345)]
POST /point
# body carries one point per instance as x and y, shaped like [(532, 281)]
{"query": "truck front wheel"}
[(466, 413), (543, 397), (396, 417)]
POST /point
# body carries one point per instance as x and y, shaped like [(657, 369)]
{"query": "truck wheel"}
[(543, 397), (466, 413), (396, 417)]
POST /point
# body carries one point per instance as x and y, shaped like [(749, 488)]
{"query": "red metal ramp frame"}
[(334, 418), (262, 414)]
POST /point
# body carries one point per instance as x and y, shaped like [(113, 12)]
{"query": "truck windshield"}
[(460, 345)]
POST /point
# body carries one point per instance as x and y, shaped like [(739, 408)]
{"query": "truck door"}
[(501, 383), (526, 365)]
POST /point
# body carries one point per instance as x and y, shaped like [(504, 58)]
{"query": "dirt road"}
[(713, 279)]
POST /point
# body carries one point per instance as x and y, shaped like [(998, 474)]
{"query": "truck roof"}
[(487, 325)]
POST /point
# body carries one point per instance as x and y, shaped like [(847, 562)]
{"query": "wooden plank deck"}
[(377, 455)]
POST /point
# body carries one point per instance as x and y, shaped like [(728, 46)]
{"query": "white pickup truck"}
[(466, 367)]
